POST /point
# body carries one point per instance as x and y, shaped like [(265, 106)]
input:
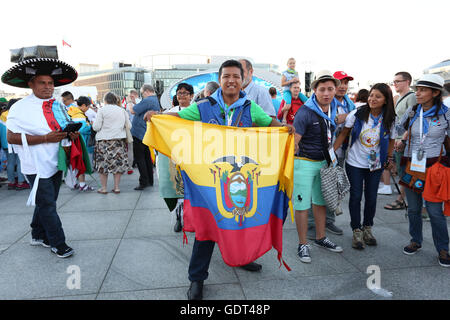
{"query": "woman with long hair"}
[(372, 128), (428, 127)]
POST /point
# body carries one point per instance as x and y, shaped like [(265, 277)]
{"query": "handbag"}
[(334, 184)]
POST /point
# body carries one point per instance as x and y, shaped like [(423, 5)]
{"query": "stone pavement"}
[(126, 249)]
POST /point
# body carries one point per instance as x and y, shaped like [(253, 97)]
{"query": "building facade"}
[(118, 80)]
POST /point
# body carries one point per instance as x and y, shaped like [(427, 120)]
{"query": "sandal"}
[(101, 191), (396, 205), (115, 191)]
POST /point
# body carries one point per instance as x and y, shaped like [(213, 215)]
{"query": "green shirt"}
[(259, 117)]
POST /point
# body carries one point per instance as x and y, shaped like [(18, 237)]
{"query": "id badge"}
[(419, 161), (374, 160), (333, 157)]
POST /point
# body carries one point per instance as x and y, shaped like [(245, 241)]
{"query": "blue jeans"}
[(200, 259), (13, 160), (437, 219), (362, 180), (46, 223)]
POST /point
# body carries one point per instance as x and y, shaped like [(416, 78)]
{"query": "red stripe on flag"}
[(238, 247)]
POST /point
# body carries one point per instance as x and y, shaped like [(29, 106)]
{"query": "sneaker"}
[(130, 171), (444, 259), (303, 253), (40, 242), (86, 187), (333, 229), (63, 251), (358, 240), (412, 248), (385, 189), (22, 186), (328, 244), (12, 186), (311, 234), (368, 237), (76, 186)]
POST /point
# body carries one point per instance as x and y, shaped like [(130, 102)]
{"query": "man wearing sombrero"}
[(35, 129)]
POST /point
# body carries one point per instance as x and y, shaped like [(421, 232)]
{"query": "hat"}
[(341, 75), (38, 63), (324, 75), (432, 81)]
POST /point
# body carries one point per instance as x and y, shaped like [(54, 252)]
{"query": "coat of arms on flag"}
[(237, 182)]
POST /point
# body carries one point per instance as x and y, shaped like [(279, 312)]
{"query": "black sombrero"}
[(29, 67)]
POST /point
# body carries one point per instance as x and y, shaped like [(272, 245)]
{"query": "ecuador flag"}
[(237, 182)]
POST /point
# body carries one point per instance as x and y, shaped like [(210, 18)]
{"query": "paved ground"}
[(126, 249)]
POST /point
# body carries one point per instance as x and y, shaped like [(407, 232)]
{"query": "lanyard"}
[(422, 136), (328, 126)]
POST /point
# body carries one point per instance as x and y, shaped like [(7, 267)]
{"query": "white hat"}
[(324, 75), (433, 81)]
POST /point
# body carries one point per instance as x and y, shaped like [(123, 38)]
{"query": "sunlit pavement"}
[(126, 249)]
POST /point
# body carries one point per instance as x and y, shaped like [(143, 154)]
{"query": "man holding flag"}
[(228, 106)]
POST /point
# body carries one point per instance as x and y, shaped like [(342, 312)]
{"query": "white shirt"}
[(369, 139), (261, 96), (26, 116)]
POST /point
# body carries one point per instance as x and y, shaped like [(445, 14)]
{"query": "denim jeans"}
[(200, 259), (13, 160), (437, 220), (46, 222), (362, 180)]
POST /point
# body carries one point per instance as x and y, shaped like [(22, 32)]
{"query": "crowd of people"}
[(372, 136)]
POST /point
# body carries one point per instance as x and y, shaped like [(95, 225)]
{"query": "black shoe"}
[(63, 251), (140, 187), (195, 291), (331, 227), (252, 266)]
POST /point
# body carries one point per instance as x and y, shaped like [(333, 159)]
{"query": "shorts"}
[(307, 189)]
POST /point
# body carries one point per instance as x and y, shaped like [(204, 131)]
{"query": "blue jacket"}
[(211, 112), (384, 136), (138, 126)]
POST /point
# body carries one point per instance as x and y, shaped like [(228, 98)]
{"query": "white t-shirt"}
[(369, 139), (26, 116), (91, 114), (447, 101)]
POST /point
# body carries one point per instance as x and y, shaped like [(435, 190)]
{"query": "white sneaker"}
[(385, 189)]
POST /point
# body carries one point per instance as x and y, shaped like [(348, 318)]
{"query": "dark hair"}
[(362, 95), (405, 75), (186, 86), (11, 102), (437, 101), (111, 98), (83, 100), (67, 94), (175, 101), (231, 63), (388, 108), (272, 91)]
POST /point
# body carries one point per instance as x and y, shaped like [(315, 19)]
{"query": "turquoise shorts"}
[(307, 187)]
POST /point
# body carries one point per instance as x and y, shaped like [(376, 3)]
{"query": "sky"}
[(370, 40)]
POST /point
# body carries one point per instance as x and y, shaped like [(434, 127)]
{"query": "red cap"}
[(340, 75)]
